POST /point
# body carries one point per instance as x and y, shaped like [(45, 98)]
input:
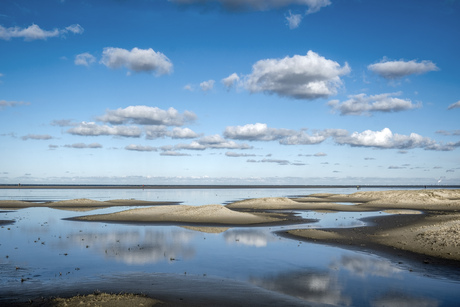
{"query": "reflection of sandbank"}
[(208, 214)]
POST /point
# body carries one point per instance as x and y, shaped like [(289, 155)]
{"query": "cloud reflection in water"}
[(365, 266), (318, 287), (250, 237), (136, 247)]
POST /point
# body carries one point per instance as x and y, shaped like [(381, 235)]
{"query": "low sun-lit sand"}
[(207, 214)]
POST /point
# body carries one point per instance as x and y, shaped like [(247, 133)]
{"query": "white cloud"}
[(303, 138), (399, 69), (362, 104), (207, 85), (155, 132), (320, 154), (145, 115), (386, 139), (37, 137), (454, 105), (182, 133), (261, 132), (212, 142), (75, 29), (230, 80), (4, 103), (137, 60), (34, 32), (133, 147), (188, 87), (293, 20), (92, 129), (307, 76), (315, 5), (83, 146), (256, 132), (84, 59), (260, 5)]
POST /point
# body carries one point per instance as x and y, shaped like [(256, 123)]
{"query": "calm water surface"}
[(43, 250)]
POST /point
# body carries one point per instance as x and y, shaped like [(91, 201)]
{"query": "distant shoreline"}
[(229, 186)]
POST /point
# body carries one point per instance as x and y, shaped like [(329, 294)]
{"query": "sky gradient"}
[(230, 92)]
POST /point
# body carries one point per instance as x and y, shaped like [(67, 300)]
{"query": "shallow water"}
[(42, 250)]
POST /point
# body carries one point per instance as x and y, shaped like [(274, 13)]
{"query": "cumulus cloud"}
[(137, 60), (454, 105), (303, 138), (182, 133), (34, 32), (84, 59), (231, 80), (145, 115), (259, 5), (207, 85), (387, 139), (93, 129), (362, 104), (155, 132), (4, 103), (133, 147), (83, 146), (384, 139), (256, 132), (307, 76), (212, 142), (293, 20), (261, 132), (37, 137), (399, 69)]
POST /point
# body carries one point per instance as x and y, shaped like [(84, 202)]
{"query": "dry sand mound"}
[(105, 299), (209, 214), (416, 199), (80, 204)]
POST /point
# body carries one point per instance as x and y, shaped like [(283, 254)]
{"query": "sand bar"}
[(81, 203), (207, 215)]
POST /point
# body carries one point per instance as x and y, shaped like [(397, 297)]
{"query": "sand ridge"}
[(207, 214), (80, 204)]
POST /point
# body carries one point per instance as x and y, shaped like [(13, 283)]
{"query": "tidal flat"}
[(266, 247)]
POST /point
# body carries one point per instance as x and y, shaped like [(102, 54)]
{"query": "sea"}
[(42, 253)]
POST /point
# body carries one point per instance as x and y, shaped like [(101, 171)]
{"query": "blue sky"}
[(230, 92)]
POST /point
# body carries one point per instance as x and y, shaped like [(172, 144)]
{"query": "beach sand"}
[(202, 215), (80, 204)]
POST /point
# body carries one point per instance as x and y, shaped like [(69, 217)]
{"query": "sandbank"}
[(204, 215), (424, 222), (80, 204)]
